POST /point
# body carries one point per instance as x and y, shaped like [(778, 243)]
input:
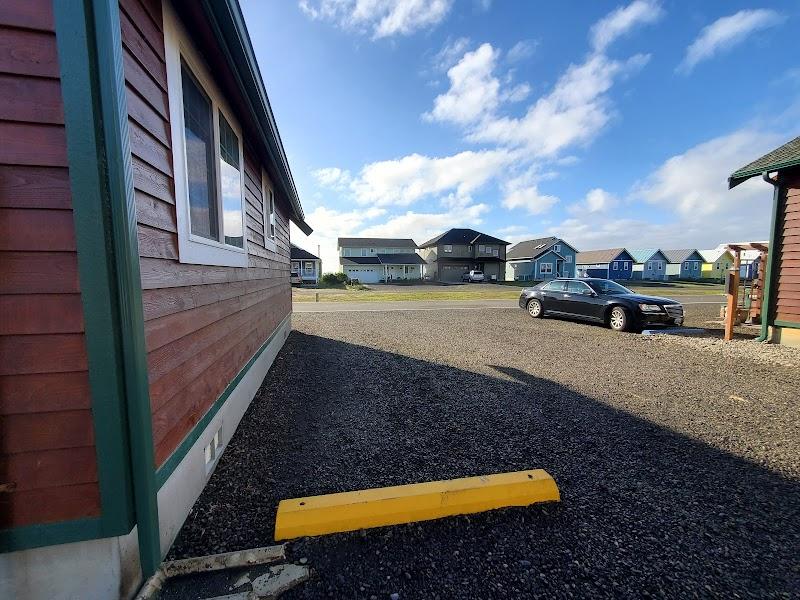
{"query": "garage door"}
[(452, 272), (365, 274)]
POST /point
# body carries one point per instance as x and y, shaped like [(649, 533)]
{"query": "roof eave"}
[(227, 22), (742, 176)]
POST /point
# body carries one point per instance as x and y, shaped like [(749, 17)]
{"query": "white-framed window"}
[(557, 248), (625, 266), (481, 248), (308, 266), (696, 266), (495, 252), (296, 266), (650, 266), (448, 248), (545, 268), (372, 250), (568, 258), (616, 266), (268, 197), (363, 252), (208, 157), (660, 265)]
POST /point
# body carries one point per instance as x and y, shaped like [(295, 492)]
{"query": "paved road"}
[(403, 305)]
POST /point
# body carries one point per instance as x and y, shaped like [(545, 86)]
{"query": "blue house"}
[(611, 263), (649, 264), (684, 264), (542, 258)]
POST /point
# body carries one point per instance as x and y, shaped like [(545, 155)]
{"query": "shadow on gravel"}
[(644, 510)]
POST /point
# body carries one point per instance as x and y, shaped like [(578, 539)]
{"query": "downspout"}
[(772, 254)]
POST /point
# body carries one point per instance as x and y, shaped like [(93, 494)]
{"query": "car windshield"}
[(477, 272), (603, 286)]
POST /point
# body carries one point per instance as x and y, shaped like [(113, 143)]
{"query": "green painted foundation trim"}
[(169, 466), (788, 324), (51, 534)]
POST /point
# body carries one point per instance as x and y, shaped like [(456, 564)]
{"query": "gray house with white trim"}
[(539, 259)]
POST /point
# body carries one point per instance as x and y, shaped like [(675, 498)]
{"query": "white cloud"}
[(384, 18), (474, 90), (597, 200), (413, 177), (574, 112), (530, 199), (332, 177), (423, 226), (726, 32), (622, 20), (694, 184), (521, 50), (450, 53)]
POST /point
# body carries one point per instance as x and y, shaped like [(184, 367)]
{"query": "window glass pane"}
[(231, 184), (271, 214), (198, 132)]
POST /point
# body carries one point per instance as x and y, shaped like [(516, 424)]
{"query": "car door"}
[(552, 295), (580, 300)]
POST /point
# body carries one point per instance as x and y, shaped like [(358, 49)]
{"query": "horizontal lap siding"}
[(202, 323), (46, 434), (787, 304)]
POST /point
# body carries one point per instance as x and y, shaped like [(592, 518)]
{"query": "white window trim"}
[(194, 249), (557, 248), (548, 270), (616, 266), (568, 258), (308, 266), (447, 248), (268, 206)]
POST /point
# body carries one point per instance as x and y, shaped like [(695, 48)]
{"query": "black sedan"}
[(600, 301)]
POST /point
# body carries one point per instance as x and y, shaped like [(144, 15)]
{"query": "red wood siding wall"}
[(787, 306), (46, 434), (202, 323)]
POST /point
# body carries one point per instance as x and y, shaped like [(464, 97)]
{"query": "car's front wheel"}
[(535, 308), (618, 319)]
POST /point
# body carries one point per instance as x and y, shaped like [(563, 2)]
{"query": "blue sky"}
[(605, 123)]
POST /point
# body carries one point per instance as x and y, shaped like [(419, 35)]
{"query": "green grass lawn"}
[(508, 290)]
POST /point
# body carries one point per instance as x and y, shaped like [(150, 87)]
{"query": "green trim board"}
[(169, 466), (119, 195), (50, 534), (776, 223), (787, 324)]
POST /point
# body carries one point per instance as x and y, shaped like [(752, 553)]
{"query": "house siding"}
[(787, 299), (528, 269), (202, 323), (653, 273), (46, 429)]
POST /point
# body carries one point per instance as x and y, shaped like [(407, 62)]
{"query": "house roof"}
[(379, 242), (531, 248), (782, 157), (678, 256), (463, 237), (227, 25), (641, 255), (298, 253), (712, 255), (412, 258), (359, 260), (593, 257)]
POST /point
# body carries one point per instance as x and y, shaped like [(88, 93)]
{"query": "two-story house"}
[(543, 258), (374, 260), (457, 251)]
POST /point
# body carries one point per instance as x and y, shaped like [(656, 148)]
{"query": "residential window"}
[(568, 258), (448, 248), (295, 266), (625, 266), (546, 268), (481, 248), (363, 252), (309, 266), (616, 266), (557, 248), (696, 265), (660, 265), (495, 252), (372, 250), (649, 266), (269, 211), (208, 158)]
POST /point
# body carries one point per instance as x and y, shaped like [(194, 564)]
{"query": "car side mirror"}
[(589, 293)]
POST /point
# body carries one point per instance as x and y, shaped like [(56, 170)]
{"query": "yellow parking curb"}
[(349, 511)]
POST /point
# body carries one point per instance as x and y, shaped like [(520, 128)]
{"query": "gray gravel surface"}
[(679, 470)]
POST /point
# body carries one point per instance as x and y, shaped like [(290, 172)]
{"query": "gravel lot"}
[(679, 466)]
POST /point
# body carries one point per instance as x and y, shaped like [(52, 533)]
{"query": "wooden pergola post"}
[(732, 311)]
